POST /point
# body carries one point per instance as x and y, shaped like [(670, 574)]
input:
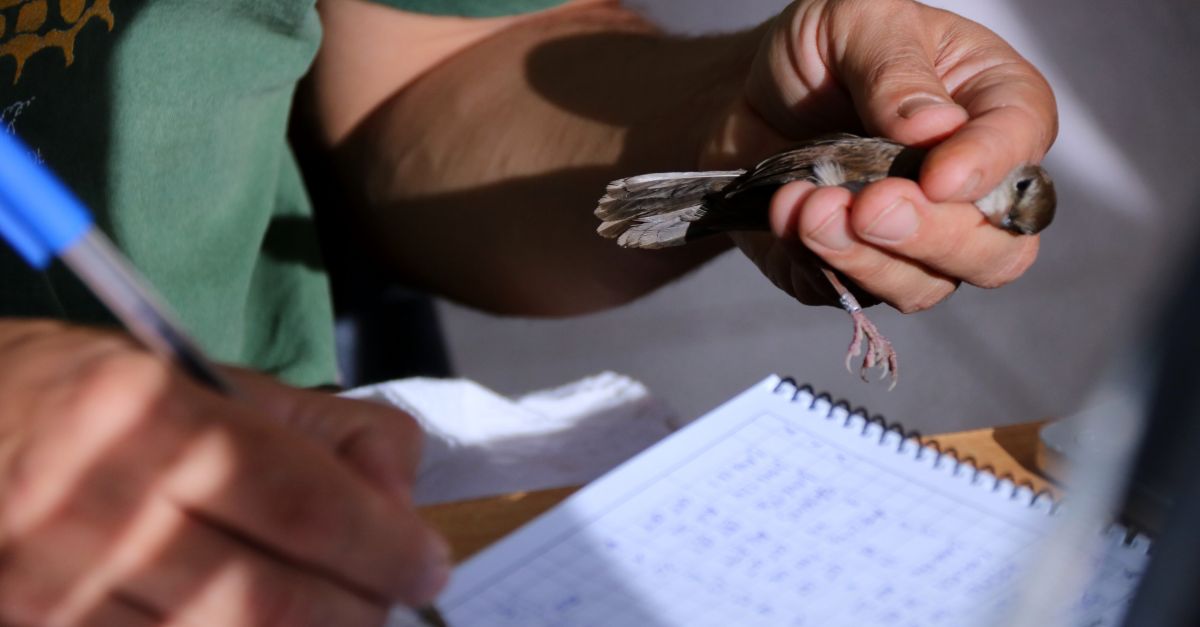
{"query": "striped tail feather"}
[(655, 210)]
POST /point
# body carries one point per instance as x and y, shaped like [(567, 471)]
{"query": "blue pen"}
[(42, 219)]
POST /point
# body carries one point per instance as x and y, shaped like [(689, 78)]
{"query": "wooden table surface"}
[(472, 525)]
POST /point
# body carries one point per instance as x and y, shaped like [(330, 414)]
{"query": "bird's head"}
[(1023, 203)]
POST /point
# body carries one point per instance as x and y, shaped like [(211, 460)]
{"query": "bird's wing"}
[(857, 160)]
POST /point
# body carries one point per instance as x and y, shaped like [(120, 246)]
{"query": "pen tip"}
[(431, 616)]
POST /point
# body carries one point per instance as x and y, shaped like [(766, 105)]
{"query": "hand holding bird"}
[(673, 208), (909, 234), (919, 76)]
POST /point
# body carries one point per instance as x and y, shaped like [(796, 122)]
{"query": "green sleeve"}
[(471, 8)]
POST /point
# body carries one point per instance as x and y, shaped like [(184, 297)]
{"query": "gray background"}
[(1126, 76)]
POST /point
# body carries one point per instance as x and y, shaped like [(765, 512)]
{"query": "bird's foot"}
[(879, 350)]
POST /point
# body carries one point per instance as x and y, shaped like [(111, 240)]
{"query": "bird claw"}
[(879, 350)]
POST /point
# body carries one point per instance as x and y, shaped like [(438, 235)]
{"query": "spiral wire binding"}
[(1129, 536), (979, 473)]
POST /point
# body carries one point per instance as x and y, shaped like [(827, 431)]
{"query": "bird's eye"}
[(1023, 185)]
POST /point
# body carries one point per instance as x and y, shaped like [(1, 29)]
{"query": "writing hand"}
[(130, 495)]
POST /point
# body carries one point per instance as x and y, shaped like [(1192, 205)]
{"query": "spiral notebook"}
[(781, 508)]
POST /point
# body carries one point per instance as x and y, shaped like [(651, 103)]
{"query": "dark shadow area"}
[(1165, 493), (385, 330), (289, 239), (1168, 361), (636, 66), (517, 270)]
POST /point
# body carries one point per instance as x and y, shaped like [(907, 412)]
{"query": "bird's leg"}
[(879, 349)]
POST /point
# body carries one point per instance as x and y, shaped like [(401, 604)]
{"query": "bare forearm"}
[(479, 178)]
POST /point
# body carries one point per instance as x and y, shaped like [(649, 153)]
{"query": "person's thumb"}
[(884, 57)]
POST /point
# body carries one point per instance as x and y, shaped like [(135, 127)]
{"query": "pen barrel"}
[(39, 216), (121, 288)]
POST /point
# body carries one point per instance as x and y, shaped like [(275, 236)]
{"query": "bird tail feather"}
[(655, 210)]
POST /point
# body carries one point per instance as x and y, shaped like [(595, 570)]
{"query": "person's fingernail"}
[(968, 190), (833, 233), (911, 107), (895, 224)]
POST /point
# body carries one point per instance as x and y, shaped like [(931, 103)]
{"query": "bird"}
[(667, 209)]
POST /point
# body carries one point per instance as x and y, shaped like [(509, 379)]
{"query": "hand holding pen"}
[(132, 493)]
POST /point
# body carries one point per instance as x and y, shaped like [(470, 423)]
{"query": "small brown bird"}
[(673, 208)]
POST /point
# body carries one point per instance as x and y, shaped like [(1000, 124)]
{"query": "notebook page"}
[(774, 511)]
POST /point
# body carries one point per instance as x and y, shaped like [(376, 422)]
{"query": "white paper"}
[(479, 443), (774, 510)]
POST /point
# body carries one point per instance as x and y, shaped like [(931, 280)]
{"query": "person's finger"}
[(1013, 118), (32, 600), (382, 444), (198, 575), (1013, 121), (888, 66), (786, 204), (109, 613), (823, 225), (113, 613), (924, 75), (278, 490), (782, 257), (952, 239), (44, 568), (83, 566)]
